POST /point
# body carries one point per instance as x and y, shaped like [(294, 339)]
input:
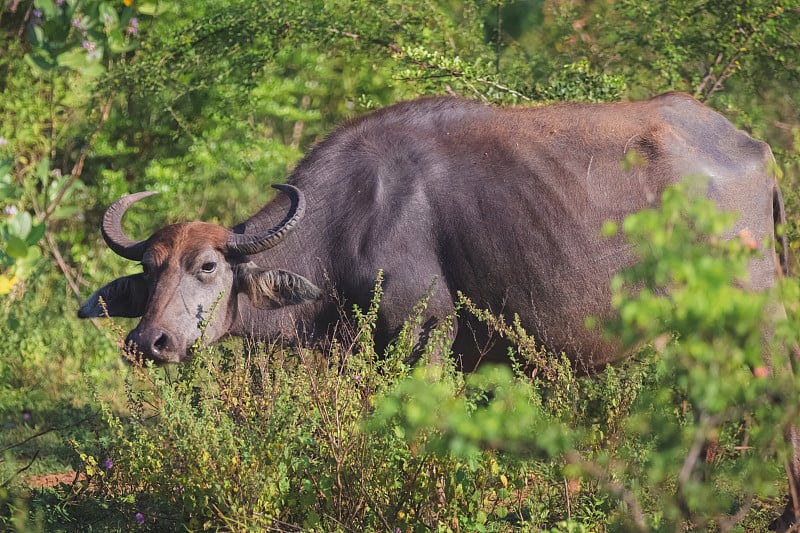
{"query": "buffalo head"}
[(193, 273)]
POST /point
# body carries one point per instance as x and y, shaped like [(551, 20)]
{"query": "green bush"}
[(248, 436)]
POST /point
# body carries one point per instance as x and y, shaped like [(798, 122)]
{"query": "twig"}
[(25, 20), (455, 73), (21, 470), (77, 169), (353, 36), (729, 69), (793, 490), (730, 522), (616, 488), (708, 77), (504, 88), (44, 432), (62, 265)]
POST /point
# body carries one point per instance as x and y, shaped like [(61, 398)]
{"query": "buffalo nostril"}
[(153, 343), (160, 344)]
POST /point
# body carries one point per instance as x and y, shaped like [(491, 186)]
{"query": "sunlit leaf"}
[(108, 15), (93, 69), (75, 58), (148, 8), (20, 225), (47, 7), (16, 247), (64, 212)]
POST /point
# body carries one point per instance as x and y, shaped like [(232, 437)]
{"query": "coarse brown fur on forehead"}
[(178, 242)]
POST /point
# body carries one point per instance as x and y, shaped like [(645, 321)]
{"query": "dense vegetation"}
[(209, 103)]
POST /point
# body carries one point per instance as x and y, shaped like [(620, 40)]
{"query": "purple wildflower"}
[(36, 17), (140, 518), (356, 378), (77, 24), (3, 141), (109, 463), (12, 211), (89, 46), (26, 416), (133, 26)]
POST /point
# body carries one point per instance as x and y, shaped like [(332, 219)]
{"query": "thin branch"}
[(44, 432), (444, 73), (729, 68), (708, 77), (62, 265), (793, 490), (503, 88), (727, 72), (25, 20), (21, 470), (77, 169), (616, 488), (353, 36), (726, 524)]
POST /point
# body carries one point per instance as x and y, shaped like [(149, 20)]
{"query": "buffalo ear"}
[(271, 289), (126, 297)]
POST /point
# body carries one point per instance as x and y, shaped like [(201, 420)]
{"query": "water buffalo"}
[(444, 195)]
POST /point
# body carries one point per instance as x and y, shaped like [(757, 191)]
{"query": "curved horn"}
[(111, 227), (250, 244)]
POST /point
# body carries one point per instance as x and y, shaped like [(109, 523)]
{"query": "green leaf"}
[(75, 58), (20, 225), (93, 69), (148, 8), (43, 170), (35, 235), (10, 191), (40, 63), (116, 42), (6, 164), (47, 7), (108, 15), (27, 264), (64, 212), (36, 35), (16, 247)]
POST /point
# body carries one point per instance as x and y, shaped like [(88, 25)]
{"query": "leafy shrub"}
[(260, 437)]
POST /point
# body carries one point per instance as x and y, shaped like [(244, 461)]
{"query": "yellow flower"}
[(7, 283), (127, 2)]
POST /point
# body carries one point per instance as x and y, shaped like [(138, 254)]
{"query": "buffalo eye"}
[(208, 267)]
